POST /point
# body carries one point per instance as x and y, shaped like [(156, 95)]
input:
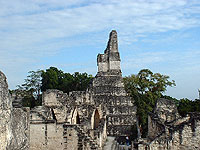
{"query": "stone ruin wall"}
[(20, 127), (46, 136), (65, 129), (5, 114), (46, 123), (155, 127), (14, 122), (184, 137), (167, 132), (164, 111)]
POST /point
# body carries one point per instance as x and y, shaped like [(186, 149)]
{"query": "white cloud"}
[(176, 61), (33, 29), (36, 21)]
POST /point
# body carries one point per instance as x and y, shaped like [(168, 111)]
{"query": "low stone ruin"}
[(167, 130)]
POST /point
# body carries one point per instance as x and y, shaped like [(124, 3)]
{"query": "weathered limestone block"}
[(45, 131), (5, 114), (20, 129), (80, 97), (166, 110), (40, 113), (14, 122), (168, 131), (53, 98), (184, 136), (46, 136)]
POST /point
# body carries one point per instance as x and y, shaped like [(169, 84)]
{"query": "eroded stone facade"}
[(168, 131), (5, 113), (108, 89), (82, 119), (14, 122), (67, 122)]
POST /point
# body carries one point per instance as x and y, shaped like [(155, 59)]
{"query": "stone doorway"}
[(96, 119), (75, 117)]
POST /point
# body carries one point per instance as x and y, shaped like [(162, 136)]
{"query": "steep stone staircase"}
[(84, 139)]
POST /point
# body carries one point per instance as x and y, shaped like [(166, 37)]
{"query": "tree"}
[(81, 81), (53, 78), (185, 106), (30, 89), (145, 88), (32, 84)]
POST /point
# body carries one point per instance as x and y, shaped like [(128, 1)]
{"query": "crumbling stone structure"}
[(14, 122), (82, 119), (168, 131), (108, 89), (5, 113), (67, 122)]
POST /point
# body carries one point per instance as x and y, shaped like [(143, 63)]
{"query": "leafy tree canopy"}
[(53, 78), (185, 106), (30, 89), (145, 88)]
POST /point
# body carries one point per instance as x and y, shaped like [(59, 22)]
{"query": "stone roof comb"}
[(112, 45)]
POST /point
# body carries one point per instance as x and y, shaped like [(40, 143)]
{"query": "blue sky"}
[(161, 35)]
